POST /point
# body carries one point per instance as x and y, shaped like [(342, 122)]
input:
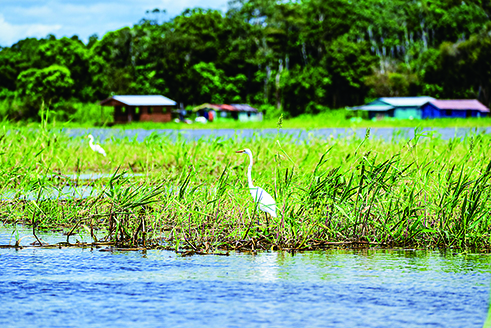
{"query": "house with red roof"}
[(241, 112), (453, 108)]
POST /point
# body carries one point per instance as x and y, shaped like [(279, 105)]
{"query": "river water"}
[(299, 134), (335, 288)]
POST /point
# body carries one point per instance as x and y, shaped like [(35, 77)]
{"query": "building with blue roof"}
[(396, 107)]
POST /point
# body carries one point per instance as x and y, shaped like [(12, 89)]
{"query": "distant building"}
[(454, 108), (241, 112), (247, 113), (152, 108), (396, 107), (423, 107)]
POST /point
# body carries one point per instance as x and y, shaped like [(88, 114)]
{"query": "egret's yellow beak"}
[(239, 151)]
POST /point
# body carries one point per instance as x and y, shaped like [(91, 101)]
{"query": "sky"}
[(20, 19)]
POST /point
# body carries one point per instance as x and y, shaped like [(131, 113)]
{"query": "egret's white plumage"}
[(266, 202), (95, 147)]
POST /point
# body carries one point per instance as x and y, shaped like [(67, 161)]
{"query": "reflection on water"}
[(63, 192), (91, 176), (336, 288), (66, 193)]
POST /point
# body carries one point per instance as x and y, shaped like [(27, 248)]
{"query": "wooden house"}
[(241, 112), (454, 108), (128, 108), (396, 107)]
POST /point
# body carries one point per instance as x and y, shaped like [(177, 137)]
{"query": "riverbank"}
[(330, 119), (193, 196)]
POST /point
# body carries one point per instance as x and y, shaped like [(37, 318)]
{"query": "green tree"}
[(114, 66), (214, 86), (463, 69), (302, 56), (305, 89), (348, 63), (72, 54), (47, 84)]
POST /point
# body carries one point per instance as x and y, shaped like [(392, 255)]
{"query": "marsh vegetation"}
[(193, 196)]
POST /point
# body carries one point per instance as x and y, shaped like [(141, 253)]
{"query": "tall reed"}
[(423, 192)]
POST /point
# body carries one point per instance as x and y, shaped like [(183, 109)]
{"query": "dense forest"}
[(303, 56)]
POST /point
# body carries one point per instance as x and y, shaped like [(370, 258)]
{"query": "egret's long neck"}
[(249, 171), (91, 142)]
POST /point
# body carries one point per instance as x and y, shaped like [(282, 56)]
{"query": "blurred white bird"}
[(260, 196), (97, 148)]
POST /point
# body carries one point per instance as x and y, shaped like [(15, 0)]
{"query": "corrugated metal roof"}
[(227, 108), (375, 108), (245, 108), (406, 101), (460, 104), (154, 100), (205, 106)]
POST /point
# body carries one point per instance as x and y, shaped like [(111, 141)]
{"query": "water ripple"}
[(337, 288)]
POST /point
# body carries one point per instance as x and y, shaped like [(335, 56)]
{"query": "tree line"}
[(299, 57)]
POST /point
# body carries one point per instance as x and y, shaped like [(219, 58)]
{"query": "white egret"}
[(95, 147), (260, 196)]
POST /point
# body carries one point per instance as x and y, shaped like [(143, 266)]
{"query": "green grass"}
[(76, 114), (331, 119), (424, 192)]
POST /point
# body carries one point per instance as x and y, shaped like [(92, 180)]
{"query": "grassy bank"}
[(76, 114), (423, 192), (331, 119), (334, 119)]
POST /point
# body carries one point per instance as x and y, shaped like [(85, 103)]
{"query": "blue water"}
[(387, 134), (63, 192), (91, 175), (337, 288)]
